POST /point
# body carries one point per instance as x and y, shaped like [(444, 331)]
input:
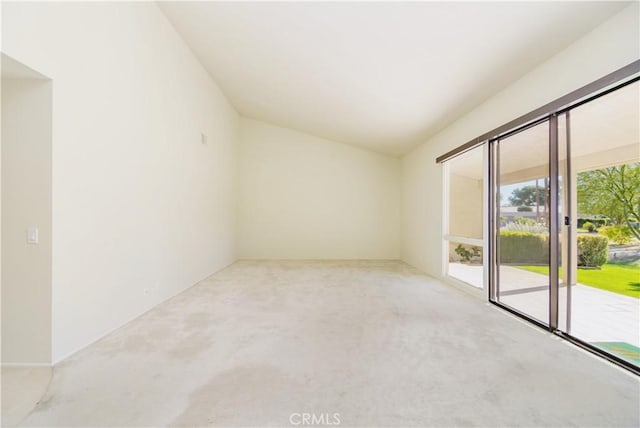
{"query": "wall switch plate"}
[(203, 138), (32, 235)]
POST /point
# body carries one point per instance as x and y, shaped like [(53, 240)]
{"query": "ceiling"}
[(384, 76)]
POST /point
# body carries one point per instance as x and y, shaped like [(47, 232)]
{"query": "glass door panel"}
[(602, 303), (522, 222)]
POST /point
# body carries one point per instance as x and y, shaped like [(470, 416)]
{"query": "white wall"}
[(141, 209), (26, 201), (303, 197), (610, 46)]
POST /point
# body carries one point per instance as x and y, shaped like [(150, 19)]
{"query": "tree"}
[(613, 192), (526, 196)]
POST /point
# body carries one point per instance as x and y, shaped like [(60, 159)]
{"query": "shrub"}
[(589, 226), (524, 209), (466, 254), (524, 247), (597, 221), (620, 234), (593, 250), (524, 220)]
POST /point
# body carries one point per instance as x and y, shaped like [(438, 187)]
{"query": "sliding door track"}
[(574, 340)]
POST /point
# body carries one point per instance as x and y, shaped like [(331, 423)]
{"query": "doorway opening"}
[(26, 215)]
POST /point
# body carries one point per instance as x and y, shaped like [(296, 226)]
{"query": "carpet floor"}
[(365, 343)]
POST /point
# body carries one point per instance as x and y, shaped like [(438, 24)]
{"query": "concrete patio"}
[(596, 315)]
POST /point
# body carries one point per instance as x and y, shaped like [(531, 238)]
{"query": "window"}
[(464, 215)]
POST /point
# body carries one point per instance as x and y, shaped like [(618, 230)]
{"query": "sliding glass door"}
[(602, 255), (545, 211), (565, 223)]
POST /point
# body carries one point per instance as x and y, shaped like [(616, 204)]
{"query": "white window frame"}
[(447, 238)]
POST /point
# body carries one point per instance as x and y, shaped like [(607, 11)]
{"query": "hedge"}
[(593, 250), (533, 248), (524, 247)]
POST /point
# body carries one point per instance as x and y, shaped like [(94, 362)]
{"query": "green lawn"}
[(618, 278)]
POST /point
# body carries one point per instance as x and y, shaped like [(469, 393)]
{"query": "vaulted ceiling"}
[(383, 76)]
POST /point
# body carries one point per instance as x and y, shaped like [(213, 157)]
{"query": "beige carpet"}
[(261, 343), (22, 388)]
